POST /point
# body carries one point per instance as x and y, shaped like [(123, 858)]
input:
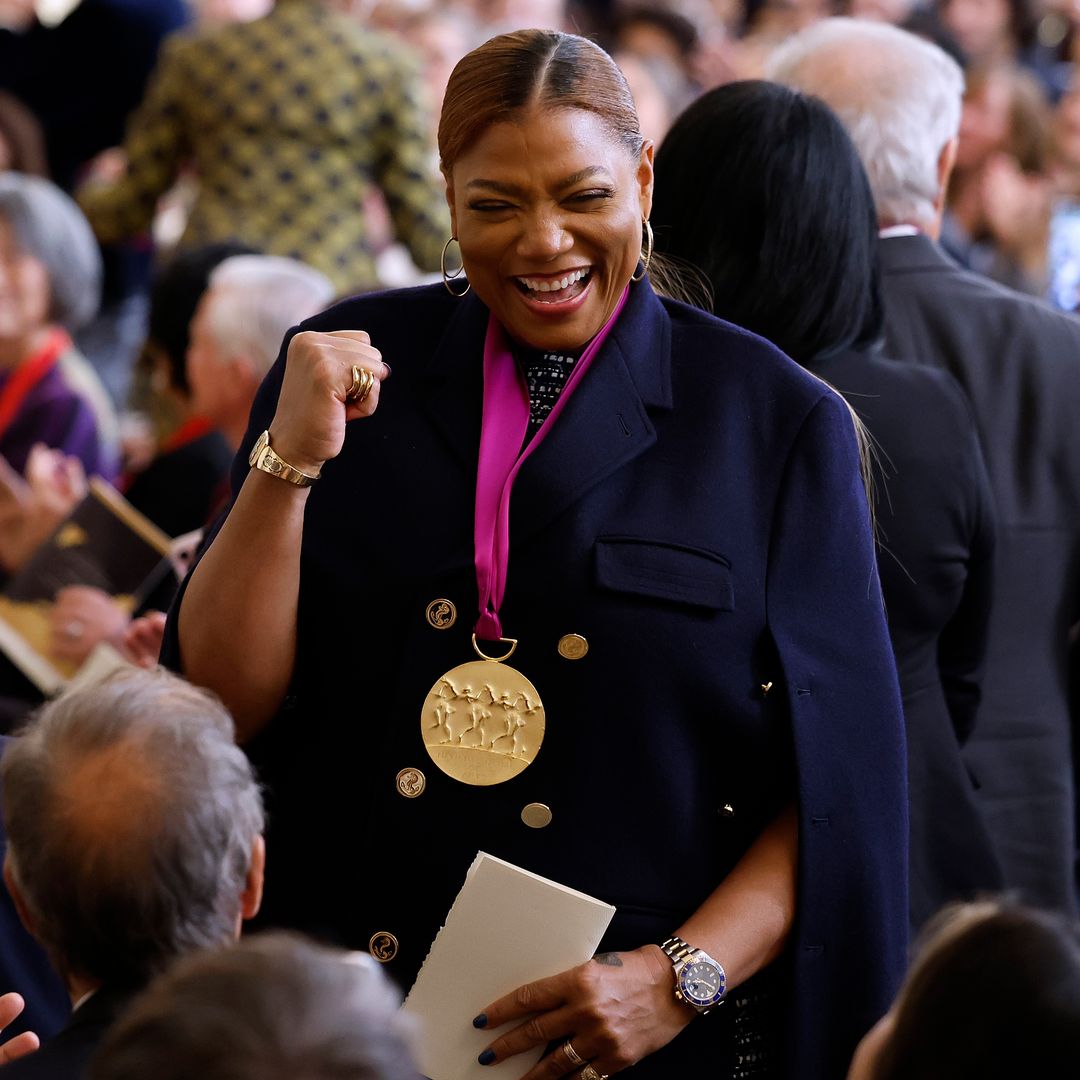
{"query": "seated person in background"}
[(32, 505), (50, 282), (994, 994), (239, 323), (178, 489), (134, 836), (272, 1008), (237, 332)]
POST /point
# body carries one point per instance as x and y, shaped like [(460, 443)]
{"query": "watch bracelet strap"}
[(677, 949), (280, 468)]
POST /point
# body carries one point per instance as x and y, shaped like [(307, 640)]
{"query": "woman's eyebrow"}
[(503, 188)]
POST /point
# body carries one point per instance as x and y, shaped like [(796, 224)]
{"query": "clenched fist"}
[(309, 426)]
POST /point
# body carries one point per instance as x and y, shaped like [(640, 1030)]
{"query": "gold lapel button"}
[(766, 687), (572, 646), (383, 946), (727, 810), (536, 815), (411, 783), (441, 614)]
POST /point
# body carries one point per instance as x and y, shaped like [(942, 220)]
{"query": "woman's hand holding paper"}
[(614, 1010)]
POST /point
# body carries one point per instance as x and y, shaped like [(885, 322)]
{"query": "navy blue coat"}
[(697, 515)]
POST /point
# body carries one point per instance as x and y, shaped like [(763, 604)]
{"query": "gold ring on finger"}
[(572, 1055), (589, 1073), (357, 382), (363, 381)]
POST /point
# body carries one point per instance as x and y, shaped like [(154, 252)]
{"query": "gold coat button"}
[(572, 646), (383, 946), (536, 815), (727, 810), (411, 783), (441, 614)]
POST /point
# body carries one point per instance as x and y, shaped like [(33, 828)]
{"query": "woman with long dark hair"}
[(761, 192)]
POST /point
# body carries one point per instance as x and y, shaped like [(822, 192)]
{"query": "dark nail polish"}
[(487, 1057), (480, 1021)]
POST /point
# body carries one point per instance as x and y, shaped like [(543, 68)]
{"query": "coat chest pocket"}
[(664, 571)]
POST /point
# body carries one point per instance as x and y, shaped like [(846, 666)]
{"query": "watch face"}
[(257, 449), (702, 982)]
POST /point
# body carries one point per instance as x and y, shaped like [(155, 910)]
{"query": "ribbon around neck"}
[(502, 432)]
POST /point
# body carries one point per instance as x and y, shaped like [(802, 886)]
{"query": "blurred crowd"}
[(173, 129), (182, 183)]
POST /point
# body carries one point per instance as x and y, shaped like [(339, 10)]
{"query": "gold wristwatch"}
[(263, 458), (700, 981)]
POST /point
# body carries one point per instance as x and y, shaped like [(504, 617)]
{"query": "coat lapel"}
[(606, 423), (453, 384)]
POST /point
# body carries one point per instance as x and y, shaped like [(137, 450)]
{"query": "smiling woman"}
[(549, 182), (684, 581)]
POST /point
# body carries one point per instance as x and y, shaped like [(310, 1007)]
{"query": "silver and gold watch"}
[(700, 981), (263, 458)]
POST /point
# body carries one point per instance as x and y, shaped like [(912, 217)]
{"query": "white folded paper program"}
[(507, 927)]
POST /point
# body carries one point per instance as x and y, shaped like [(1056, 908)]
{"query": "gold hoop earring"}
[(455, 276), (646, 250)]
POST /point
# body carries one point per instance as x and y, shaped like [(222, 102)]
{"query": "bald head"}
[(132, 818), (899, 97)]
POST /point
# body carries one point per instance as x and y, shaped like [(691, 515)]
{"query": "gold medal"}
[(483, 722)]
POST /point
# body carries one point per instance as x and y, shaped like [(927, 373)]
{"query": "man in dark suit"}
[(134, 836), (1019, 363), (25, 967)]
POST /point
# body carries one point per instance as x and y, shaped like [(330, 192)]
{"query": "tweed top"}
[(290, 122)]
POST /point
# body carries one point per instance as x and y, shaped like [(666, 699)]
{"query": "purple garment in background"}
[(60, 411)]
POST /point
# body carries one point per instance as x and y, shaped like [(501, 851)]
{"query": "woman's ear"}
[(17, 899), (645, 178), (450, 202)]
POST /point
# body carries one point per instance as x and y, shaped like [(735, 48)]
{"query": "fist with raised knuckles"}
[(308, 428)]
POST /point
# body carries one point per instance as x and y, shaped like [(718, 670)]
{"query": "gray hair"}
[(274, 1007), (254, 299), (899, 97), (49, 226), (131, 817)]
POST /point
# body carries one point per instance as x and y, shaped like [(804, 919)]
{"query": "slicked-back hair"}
[(131, 817), (49, 226), (898, 95), (759, 188), (533, 68), (274, 1007), (993, 994)]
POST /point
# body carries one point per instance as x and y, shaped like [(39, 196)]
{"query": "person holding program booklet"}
[(588, 584)]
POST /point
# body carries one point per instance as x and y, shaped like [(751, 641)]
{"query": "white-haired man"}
[(250, 303), (1019, 362), (134, 828)]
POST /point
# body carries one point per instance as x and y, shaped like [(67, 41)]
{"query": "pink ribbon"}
[(502, 431)]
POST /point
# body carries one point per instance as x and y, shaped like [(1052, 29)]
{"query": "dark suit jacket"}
[(181, 488), (24, 967), (1019, 363), (67, 1055), (935, 540), (697, 515)]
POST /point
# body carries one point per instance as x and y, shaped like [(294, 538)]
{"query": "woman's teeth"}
[(548, 285)]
